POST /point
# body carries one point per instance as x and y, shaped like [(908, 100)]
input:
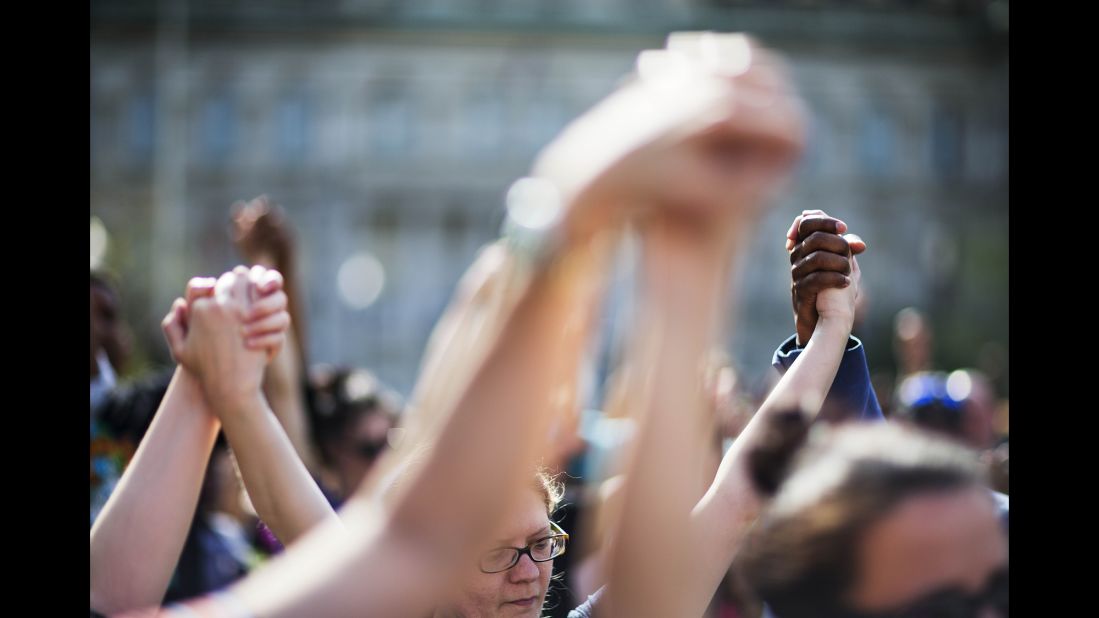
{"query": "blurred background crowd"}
[(383, 135)]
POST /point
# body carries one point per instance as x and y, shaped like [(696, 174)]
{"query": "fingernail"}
[(841, 227)]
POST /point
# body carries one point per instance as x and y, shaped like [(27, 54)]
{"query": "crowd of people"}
[(247, 481)]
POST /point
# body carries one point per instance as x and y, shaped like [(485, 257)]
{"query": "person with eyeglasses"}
[(702, 131), (513, 571)]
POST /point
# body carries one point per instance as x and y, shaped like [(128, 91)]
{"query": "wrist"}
[(188, 383), (240, 417), (586, 209), (547, 223), (231, 400), (190, 387), (834, 327)]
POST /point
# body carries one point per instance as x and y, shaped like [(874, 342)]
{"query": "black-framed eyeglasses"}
[(542, 550), (952, 603)]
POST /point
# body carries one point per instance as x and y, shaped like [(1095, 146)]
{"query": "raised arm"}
[(398, 554), (263, 236), (723, 516), (688, 257), (684, 290), (137, 539), (818, 248), (280, 487), (395, 558)]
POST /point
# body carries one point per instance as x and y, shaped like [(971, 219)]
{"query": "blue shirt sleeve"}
[(851, 396)]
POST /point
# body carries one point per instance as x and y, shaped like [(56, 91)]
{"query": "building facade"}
[(390, 130)]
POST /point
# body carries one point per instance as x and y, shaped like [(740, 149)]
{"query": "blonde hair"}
[(551, 490)]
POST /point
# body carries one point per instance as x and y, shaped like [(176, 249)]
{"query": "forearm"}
[(460, 337), (724, 514), (321, 576), (393, 561), (282, 385), (664, 477), (363, 569), (296, 307), (851, 396), (809, 379), (137, 538), (503, 411), (284, 494)]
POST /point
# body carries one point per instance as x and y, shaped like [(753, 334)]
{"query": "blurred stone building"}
[(390, 130)]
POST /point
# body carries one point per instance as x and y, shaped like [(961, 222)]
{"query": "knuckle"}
[(797, 252)]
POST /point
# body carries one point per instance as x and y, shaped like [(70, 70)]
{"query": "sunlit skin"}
[(930, 542), (520, 590)]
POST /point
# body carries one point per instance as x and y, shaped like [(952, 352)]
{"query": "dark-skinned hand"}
[(820, 255)]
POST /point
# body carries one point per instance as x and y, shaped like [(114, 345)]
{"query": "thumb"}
[(173, 327)]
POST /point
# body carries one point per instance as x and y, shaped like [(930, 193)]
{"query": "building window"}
[(875, 141), (141, 126), (292, 128), (947, 131), (483, 126), (390, 123), (218, 128)]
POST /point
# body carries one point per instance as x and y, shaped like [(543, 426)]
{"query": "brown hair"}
[(802, 556)]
